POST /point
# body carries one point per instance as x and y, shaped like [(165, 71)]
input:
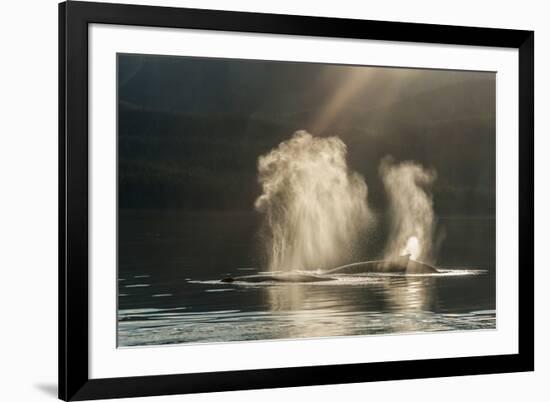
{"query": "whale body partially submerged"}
[(399, 265), (402, 265)]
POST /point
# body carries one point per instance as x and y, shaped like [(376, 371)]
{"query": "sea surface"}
[(171, 263)]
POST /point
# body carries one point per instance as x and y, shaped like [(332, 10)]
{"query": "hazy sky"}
[(191, 129)]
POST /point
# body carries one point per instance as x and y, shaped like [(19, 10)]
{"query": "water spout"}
[(408, 187), (314, 206)]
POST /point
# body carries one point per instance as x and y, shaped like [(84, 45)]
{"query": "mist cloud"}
[(314, 206), (408, 186)]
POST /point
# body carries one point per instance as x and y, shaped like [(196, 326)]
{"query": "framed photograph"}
[(256, 201)]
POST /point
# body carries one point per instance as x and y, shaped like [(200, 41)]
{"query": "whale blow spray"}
[(408, 186), (314, 206)]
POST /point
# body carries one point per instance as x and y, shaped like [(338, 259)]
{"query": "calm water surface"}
[(169, 289)]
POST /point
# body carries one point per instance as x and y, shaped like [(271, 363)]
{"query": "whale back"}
[(402, 264), (417, 267)]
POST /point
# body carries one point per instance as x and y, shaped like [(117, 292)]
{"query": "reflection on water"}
[(170, 290), (351, 305)]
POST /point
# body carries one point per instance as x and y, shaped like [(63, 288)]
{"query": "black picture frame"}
[(74, 380)]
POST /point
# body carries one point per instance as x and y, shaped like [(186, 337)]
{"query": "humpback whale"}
[(401, 265)]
